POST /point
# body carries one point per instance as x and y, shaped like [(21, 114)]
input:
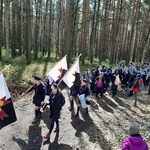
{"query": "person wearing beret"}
[(136, 87), (38, 98), (55, 108), (83, 90)]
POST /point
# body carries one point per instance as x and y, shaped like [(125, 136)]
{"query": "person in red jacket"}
[(134, 141), (136, 87)]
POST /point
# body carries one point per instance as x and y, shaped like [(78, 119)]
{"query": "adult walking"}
[(38, 98), (136, 88), (115, 82), (99, 86), (55, 108), (83, 94)]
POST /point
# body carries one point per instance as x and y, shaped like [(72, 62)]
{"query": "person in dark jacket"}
[(136, 87), (131, 82), (125, 80), (47, 86), (55, 108), (72, 96), (93, 77), (134, 141), (38, 98), (114, 83), (83, 90), (87, 76), (97, 71), (99, 86)]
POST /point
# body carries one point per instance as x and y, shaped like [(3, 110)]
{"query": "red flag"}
[(7, 113)]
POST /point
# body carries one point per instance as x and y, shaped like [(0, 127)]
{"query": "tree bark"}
[(7, 28), (28, 32), (1, 28)]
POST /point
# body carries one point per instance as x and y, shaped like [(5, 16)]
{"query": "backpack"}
[(136, 84), (63, 101), (117, 80)]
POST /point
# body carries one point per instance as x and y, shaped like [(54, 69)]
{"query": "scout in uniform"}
[(38, 98)]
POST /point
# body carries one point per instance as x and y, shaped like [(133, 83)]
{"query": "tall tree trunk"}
[(19, 32), (7, 28), (146, 34), (36, 29), (58, 28), (50, 29), (1, 28), (44, 49), (69, 28), (84, 29), (28, 32), (13, 32), (93, 34)]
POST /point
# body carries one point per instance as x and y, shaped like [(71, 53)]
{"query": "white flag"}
[(7, 112), (57, 72), (72, 74)]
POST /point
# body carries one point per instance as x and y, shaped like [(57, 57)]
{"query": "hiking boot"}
[(77, 115), (70, 109), (35, 120), (47, 136), (56, 129)]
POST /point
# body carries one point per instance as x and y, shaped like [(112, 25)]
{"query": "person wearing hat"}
[(38, 98), (99, 85), (87, 76), (83, 90), (55, 108), (136, 87), (115, 82), (131, 82), (134, 141)]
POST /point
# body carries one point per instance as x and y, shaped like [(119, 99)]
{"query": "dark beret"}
[(37, 77), (55, 85), (84, 80)]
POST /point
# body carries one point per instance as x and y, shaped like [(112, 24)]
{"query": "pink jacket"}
[(134, 142)]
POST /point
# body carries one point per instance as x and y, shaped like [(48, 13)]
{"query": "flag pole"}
[(44, 106), (42, 77), (70, 68)]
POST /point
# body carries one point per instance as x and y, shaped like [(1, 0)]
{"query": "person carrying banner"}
[(55, 108), (38, 98), (83, 95)]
